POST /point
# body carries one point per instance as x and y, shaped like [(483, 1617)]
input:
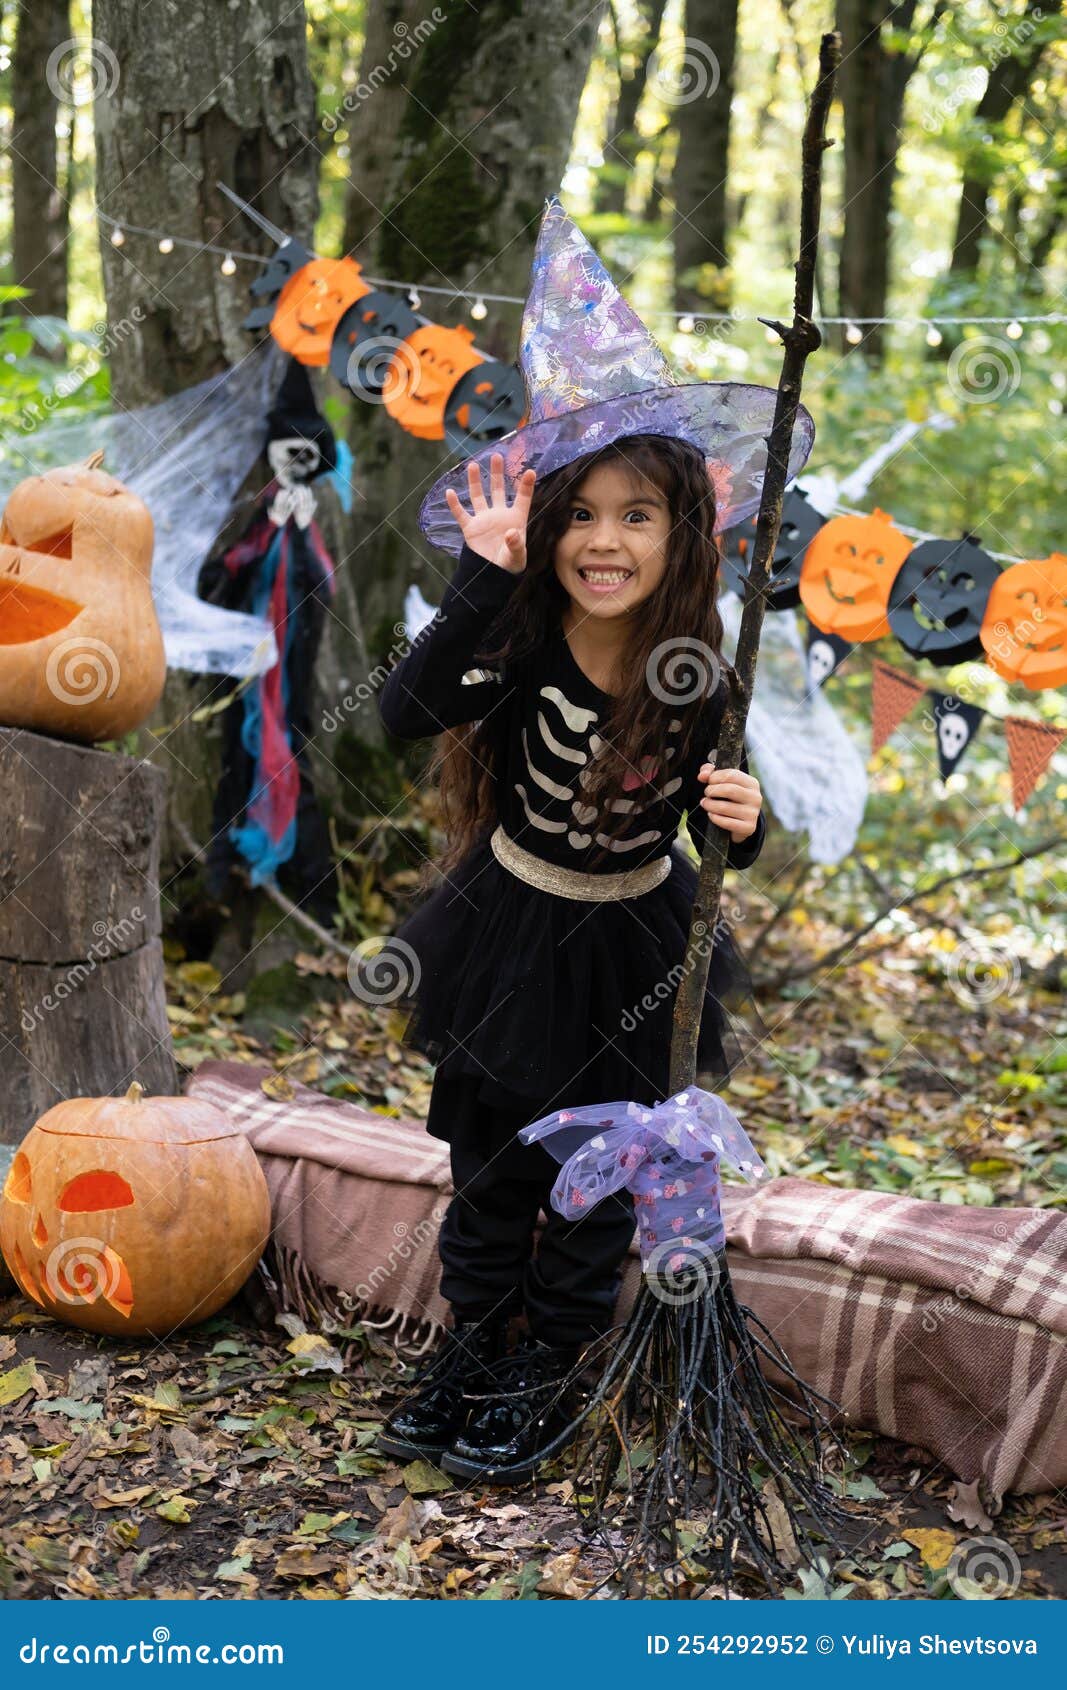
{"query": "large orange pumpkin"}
[(848, 569), (312, 303), (133, 1215), (81, 653), (417, 400), (1024, 629)]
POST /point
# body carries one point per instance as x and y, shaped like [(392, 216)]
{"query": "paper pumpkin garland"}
[(847, 574), (431, 379), (939, 598), (133, 1215), (1024, 632), (800, 524), (81, 653)]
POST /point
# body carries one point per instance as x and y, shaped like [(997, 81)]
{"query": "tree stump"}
[(82, 1002)]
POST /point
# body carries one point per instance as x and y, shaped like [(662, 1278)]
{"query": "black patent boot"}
[(434, 1410), (530, 1402)]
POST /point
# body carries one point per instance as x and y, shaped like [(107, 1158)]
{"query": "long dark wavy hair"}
[(676, 640)]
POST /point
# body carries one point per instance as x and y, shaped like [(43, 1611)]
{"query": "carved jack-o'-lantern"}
[(849, 567), (312, 303), (81, 654), (1024, 630), (440, 356), (135, 1214)]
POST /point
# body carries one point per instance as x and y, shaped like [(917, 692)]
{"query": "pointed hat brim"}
[(727, 421)]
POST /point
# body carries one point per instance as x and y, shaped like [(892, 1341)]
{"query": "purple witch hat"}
[(593, 373)]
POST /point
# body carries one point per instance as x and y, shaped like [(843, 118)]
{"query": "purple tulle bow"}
[(667, 1154)]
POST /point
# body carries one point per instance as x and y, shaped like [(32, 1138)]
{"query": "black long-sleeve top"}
[(547, 716)]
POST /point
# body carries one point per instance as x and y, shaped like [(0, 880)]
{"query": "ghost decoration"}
[(956, 724), (939, 598)]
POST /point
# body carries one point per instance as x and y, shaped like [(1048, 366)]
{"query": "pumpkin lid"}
[(141, 1119)]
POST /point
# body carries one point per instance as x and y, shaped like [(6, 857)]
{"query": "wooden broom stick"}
[(800, 339)]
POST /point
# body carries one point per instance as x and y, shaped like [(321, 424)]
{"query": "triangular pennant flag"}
[(955, 724), (1031, 746), (893, 694), (826, 652)]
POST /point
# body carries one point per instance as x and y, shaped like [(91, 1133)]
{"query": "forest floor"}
[(237, 1460)]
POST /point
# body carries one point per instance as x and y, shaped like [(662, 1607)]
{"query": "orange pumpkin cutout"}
[(133, 1215), (1024, 629), (312, 303), (848, 570), (417, 400), (81, 653)]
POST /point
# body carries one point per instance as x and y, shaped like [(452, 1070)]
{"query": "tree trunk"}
[(622, 143), (1009, 78), (82, 1006), (454, 147), (705, 95), (222, 93), (873, 80), (41, 211)]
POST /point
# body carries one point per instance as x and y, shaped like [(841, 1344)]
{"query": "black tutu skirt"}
[(549, 1000)]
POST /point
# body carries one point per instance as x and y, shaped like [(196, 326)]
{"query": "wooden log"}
[(82, 1001)]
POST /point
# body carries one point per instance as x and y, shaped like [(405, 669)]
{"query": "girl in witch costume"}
[(575, 673)]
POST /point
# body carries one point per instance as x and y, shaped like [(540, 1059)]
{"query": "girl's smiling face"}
[(613, 551)]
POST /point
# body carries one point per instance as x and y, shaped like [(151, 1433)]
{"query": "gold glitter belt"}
[(571, 882)]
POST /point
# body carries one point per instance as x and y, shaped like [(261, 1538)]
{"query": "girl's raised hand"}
[(493, 528), (732, 800)]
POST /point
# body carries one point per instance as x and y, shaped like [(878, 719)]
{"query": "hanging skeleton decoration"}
[(266, 817)]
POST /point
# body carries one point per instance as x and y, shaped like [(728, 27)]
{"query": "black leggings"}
[(570, 1287)]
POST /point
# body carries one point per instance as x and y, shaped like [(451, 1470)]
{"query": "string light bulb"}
[(118, 237), (479, 309), (686, 324), (933, 336), (1014, 331), (853, 334), (414, 298), (228, 266), (166, 244)]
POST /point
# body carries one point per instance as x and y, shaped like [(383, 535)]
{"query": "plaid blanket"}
[(941, 1326)]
